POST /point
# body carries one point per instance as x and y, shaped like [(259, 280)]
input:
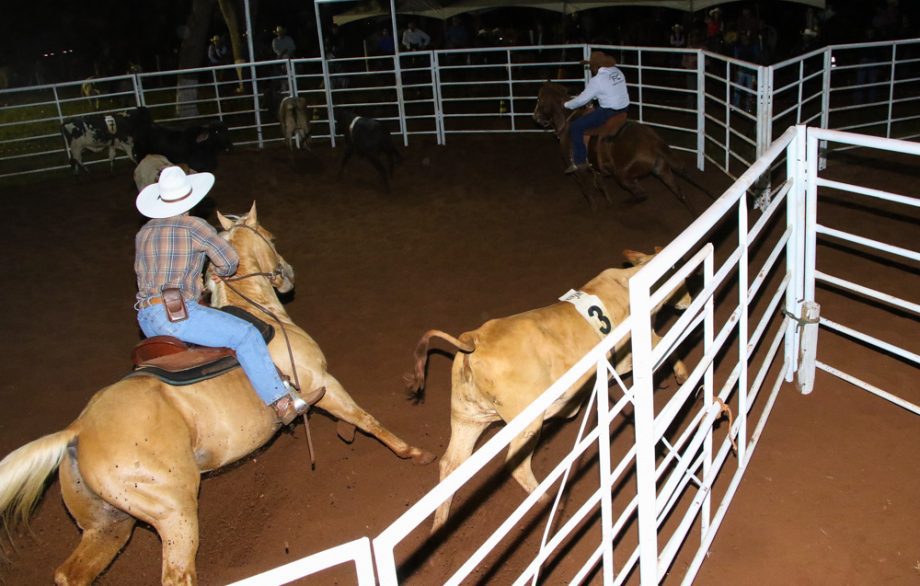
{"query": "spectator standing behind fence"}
[(457, 36), (690, 62), (335, 43), (745, 50), (414, 38), (714, 30), (385, 44), (283, 45), (677, 40), (218, 52)]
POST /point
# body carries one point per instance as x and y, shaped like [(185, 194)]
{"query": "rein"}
[(287, 341)]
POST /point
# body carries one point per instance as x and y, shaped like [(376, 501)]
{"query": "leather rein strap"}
[(272, 275)]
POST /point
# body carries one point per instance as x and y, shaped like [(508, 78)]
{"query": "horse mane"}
[(556, 88)]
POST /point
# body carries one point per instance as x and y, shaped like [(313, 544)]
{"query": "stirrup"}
[(574, 168), (289, 407)]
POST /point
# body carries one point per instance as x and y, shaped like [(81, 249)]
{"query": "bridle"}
[(560, 131), (277, 272), (271, 276), (274, 274)]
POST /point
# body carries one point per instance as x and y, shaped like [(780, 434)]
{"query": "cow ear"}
[(251, 216), (202, 136), (225, 222)]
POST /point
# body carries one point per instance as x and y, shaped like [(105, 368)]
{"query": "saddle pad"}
[(591, 308), (190, 376)]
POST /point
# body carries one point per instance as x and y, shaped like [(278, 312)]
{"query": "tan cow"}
[(508, 362), (148, 170), (295, 122)]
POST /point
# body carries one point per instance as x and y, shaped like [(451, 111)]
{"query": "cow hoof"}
[(423, 458)]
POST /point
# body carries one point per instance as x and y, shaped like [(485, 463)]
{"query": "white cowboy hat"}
[(175, 193)]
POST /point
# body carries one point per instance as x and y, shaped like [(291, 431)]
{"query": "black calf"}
[(369, 138)]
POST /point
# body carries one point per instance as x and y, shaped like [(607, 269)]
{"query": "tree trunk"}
[(228, 9), (191, 54), (194, 45)]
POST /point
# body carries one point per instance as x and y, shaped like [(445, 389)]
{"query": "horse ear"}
[(251, 217), (636, 258), (225, 222)]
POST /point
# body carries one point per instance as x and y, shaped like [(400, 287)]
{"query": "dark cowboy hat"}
[(599, 59)]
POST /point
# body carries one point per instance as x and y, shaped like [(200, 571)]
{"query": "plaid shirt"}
[(170, 252)]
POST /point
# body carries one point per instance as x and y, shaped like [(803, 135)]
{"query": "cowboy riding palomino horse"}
[(624, 149), (137, 451)]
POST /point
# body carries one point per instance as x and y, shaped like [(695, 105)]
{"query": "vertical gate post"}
[(805, 375), (644, 413), (795, 246), (825, 103), (700, 109), (330, 112), (439, 129)]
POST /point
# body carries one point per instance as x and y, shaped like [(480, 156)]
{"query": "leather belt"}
[(150, 301)]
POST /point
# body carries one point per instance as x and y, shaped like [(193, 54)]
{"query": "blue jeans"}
[(207, 326), (592, 119)]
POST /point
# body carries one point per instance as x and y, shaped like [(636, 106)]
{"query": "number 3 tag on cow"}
[(591, 308)]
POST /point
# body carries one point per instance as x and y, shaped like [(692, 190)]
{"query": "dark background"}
[(46, 41)]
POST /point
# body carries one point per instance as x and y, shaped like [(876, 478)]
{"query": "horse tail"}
[(415, 381), (682, 172), (24, 471)]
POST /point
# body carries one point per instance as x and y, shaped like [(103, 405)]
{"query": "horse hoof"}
[(423, 458)]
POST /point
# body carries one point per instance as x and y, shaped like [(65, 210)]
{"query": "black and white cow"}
[(97, 132), (196, 146), (369, 138)]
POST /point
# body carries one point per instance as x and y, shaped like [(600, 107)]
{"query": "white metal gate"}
[(753, 319), (723, 111)]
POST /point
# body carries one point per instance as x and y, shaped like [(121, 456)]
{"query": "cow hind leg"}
[(345, 156), (464, 433), (520, 456), (381, 170), (338, 403), (76, 162), (105, 529), (678, 367)]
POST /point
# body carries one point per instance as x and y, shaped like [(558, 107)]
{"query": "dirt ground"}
[(481, 228)]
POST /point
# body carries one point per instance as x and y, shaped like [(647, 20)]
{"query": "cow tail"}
[(415, 381)]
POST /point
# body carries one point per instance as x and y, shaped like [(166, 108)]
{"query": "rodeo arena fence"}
[(663, 464)]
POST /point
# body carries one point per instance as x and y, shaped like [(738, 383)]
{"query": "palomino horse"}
[(138, 449), (630, 154)]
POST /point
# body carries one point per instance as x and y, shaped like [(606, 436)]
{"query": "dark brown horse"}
[(629, 154)]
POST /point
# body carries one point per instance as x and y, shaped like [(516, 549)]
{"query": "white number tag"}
[(591, 308)]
